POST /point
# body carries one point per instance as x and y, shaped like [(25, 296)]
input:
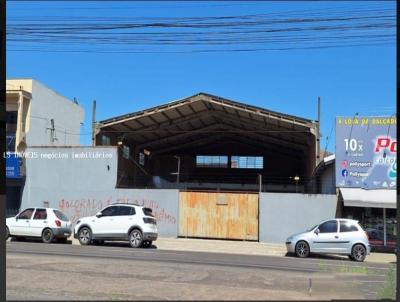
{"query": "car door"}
[(347, 234), (38, 222), (125, 219), (325, 239), (21, 226), (106, 225)]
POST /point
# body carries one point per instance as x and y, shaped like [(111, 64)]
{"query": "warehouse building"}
[(208, 167), (211, 143)]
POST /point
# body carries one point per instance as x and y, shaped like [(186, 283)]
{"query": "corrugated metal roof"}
[(221, 100)]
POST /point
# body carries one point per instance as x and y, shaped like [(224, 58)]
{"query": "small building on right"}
[(363, 173)]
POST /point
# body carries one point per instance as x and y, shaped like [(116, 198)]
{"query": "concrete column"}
[(384, 226)]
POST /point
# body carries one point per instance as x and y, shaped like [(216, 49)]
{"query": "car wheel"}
[(135, 238), (84, 236), (358, 253), (7, 233), (47, 236), (302, 249)]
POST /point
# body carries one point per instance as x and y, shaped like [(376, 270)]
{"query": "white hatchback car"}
[(333, 236), (118, 222), (47, 223)]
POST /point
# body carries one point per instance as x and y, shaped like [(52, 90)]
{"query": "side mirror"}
[(98, 215), (16, 218), (316, 231)]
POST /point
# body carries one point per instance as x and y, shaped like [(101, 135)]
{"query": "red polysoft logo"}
[(385, 142)]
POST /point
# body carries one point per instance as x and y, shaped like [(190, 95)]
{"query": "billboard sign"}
[(12, 165), (366, 152)]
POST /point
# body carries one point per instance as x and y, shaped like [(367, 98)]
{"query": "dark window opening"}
[(105, 140), (11, 117), (141, 158), (10, 141)]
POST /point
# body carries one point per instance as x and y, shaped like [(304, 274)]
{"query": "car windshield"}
[(60, 215)]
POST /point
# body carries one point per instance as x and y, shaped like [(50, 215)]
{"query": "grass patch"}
[(353, 269), (344, 269), (389, 290)]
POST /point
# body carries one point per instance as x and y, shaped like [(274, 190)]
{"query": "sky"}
[(349, 80)]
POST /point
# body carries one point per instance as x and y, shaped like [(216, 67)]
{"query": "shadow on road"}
[(39, 240), (69, 242), (124, 244), (321, 256)]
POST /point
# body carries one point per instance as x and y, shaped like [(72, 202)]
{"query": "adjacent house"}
[(35, 116)]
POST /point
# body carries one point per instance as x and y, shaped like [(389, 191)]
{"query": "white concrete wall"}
[(81, 187), (282, 215), (46, 104)]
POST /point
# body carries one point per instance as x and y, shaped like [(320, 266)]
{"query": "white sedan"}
[(45, 223)]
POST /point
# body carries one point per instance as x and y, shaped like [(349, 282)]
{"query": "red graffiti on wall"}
[(77, 208)]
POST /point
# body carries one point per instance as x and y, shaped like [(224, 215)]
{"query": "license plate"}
[(66, 234)]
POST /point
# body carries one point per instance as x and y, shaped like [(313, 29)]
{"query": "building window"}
[(11, 117), (10, 139), (141, 158), (210, 161), (125, 152), (247, 162), (105, 140)]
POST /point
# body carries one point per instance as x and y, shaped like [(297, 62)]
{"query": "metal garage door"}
[(218, 215)]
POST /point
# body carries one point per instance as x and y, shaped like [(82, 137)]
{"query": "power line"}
[(213, 34)]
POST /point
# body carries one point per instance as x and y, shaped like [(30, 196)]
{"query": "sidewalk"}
[(241, 247)]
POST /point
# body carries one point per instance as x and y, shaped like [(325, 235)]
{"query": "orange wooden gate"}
[(218, 215)]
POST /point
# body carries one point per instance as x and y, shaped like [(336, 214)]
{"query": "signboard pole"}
[(384, 227)]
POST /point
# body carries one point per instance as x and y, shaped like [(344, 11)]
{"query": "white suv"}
[(118, 222), (46, 223)]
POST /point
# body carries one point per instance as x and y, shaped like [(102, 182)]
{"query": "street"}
[(114, 271)]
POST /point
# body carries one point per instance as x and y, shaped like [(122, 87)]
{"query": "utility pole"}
[(94, 123), (179, 168), (318, 131)]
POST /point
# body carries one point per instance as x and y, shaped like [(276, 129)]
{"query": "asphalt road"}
[(61, 271)]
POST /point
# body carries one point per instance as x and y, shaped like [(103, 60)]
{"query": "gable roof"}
[(205, 119), (202, 97)]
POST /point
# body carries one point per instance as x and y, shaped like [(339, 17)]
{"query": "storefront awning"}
[(355, 197)]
